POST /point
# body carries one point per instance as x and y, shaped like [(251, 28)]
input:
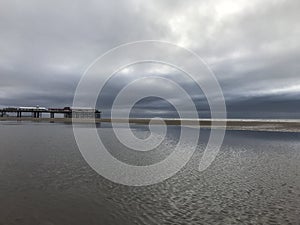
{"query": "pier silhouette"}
[(67, 112)]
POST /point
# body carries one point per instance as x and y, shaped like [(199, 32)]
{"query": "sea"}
[(255, 179)]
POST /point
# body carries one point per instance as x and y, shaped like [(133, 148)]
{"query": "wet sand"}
[(229, 124), (44, 180)]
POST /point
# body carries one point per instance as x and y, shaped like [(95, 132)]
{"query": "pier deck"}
[(37, 112)]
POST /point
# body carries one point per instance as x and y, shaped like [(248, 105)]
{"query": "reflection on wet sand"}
[(45, 180)]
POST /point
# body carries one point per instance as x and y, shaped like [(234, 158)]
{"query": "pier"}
[(67, 112)]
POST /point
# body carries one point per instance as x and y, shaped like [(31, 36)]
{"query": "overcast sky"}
[(253, 47)]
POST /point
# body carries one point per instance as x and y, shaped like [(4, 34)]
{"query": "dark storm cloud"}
[(252, 47)]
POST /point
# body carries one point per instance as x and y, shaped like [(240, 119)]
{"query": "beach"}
[(45, 180), (287, 125)]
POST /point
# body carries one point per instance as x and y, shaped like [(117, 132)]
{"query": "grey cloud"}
[(252, 47)]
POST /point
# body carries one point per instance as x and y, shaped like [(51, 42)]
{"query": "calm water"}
[(44, 180)]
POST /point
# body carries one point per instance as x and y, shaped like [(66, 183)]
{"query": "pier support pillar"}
[(97, 115), (68, 115), (52, 115)]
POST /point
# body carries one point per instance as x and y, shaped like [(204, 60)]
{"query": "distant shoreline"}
[(231, 124)]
